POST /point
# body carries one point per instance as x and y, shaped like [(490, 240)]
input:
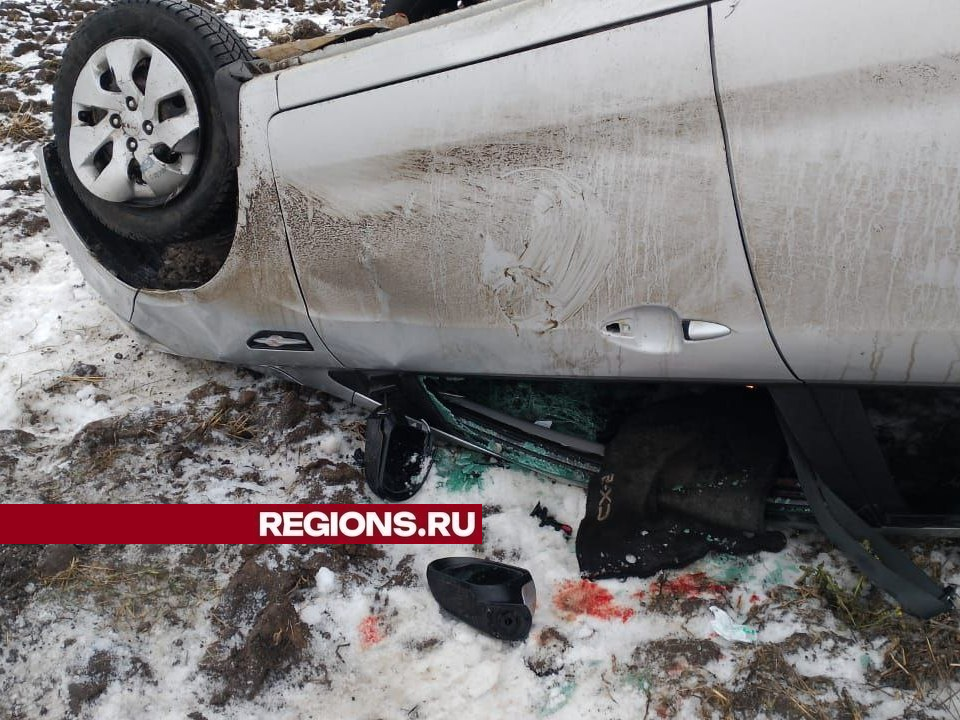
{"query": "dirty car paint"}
[(492, 217), (846, 148)]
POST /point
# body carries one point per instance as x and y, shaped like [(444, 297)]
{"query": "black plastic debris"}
[(397, 456), (496, 599), (547, 520)]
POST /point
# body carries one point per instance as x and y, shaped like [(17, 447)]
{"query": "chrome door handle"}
[(703, 330), (657, 329)]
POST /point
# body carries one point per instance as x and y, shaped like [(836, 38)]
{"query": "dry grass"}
[(922, 656), (66, 379), (920, 660), (93, 576), (772, 686), (22, 126), (236, 425), (7, 66), (134, 594), (853, 607)]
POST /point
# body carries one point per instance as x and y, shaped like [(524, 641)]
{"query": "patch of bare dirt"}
[(15, 445), (260, 633), (546, 657), (102, 669), (18, 571), (770, 685), (921, 656), (265, 419), (256, 609), (326, 481)]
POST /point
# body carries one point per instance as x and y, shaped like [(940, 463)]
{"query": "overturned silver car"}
[(529, 199)]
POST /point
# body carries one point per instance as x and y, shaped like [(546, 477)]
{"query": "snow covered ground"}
[(88, 414)]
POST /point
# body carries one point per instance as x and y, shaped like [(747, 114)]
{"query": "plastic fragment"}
[(547, 520), (726, 628)]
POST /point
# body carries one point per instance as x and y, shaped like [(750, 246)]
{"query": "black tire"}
[(417, 10), (199, 43)]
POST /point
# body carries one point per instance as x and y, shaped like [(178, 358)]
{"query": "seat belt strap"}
[(887, 567)]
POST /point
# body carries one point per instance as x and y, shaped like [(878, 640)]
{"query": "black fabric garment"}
[(679, 481), (417, 10)]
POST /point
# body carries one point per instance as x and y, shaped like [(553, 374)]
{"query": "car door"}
[(522, 188), (844, 136)]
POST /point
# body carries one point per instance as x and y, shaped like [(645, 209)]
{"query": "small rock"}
[(80, 369), (24, 47), (306, 29)]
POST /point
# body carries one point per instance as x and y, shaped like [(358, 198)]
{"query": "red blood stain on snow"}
[(371, 631), (688, 585), (754, 598), (582, 597)]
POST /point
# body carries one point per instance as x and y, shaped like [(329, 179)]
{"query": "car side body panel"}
[(844, 128), (484, 31), (256, 289), (116, 294), (557, 211)]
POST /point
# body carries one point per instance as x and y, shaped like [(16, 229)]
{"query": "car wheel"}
[(137, 125)]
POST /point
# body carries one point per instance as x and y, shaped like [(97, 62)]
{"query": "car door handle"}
[(658, 330), (703, 330), (692, 329)]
